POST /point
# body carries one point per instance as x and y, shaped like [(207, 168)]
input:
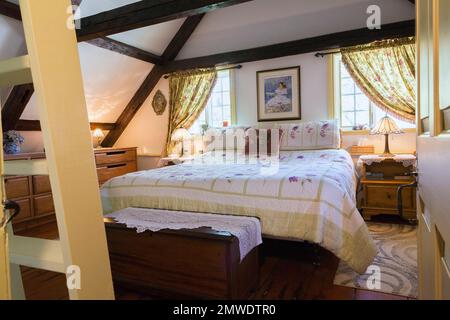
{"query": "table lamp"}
[(179, 135), (99, 135), (386, 126)]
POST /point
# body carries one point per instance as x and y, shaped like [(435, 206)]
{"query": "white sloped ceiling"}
[(111, 79)]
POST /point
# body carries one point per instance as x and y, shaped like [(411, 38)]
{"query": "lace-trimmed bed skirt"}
[(246, 229)]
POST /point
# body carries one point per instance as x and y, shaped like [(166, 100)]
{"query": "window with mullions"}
[(353, 107), (219, 107)]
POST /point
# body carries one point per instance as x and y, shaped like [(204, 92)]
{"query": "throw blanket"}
[(306, 195), (246, 229)]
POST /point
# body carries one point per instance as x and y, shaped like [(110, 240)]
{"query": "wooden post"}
[(54, 61)]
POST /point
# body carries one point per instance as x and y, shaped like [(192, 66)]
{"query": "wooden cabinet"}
[(380, 193), (200, 263), (34, 193)]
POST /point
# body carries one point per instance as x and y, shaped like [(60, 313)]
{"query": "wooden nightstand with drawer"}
[(380, 180)]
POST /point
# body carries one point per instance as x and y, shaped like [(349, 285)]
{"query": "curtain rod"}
[(218, 69), (323, 54)]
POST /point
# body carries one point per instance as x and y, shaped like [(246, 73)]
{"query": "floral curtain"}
[(189, 94), (385, 72)]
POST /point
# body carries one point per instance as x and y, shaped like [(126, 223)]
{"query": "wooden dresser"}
[(114, 162), (34, 195)]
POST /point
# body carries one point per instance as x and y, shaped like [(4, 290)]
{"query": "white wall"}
[(314, 80), (147, 130), (403, 143), (314, 98)]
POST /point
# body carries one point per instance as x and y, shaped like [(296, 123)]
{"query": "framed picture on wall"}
[(279, 94)]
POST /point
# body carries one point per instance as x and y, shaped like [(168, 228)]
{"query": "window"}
[(352, 106), (219, 107)]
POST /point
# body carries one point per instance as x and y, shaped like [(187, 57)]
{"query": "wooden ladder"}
[(53, 66)]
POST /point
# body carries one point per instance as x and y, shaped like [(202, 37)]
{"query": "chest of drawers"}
[(34, 194)]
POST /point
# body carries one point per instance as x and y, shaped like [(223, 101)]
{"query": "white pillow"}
[(310, 135)]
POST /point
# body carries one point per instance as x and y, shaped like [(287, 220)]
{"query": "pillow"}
[(262, 142), (222, 139), (310, 135)]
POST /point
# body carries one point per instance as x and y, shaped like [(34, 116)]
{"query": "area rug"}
[(396, 259)]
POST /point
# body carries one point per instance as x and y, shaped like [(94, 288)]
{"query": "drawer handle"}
[(116, 165), (113, 153)]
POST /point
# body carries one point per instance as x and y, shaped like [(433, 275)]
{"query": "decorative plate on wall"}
[(159, 103)]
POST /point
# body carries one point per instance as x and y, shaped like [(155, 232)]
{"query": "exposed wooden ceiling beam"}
[(125, 49), (10, 10), (15, 105), (35, 125), (145, 13), (320, 43), (152, 79), (181, 37)]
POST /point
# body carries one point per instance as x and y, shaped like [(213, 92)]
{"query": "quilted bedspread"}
[(302, 195)]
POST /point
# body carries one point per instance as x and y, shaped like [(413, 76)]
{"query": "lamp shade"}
[(180, 134), (386, 125), (98, 133)]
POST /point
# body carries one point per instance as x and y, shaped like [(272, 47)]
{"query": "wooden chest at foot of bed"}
[(199, 263)]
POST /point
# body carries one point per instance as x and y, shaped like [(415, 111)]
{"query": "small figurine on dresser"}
[(11, 142)]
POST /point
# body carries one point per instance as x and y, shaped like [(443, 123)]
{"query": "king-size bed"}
[(304, 195)]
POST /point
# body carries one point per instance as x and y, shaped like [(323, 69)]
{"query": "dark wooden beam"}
[(15, 105), (145, 13), (10, 10), (181, 37), (76, 2), (35, 125), (152, 79), (28, 125), (320, 43), (125, 49), (103, 126)]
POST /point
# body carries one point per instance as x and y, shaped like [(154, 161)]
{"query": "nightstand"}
[(380, 181), (172, 161)]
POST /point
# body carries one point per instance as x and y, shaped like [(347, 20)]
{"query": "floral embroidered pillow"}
[(310, 135), (262, 142)]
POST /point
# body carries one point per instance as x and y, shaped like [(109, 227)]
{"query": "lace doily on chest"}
[(405, 159), (246, 229)]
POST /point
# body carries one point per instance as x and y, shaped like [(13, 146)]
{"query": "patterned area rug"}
[(396, 259)]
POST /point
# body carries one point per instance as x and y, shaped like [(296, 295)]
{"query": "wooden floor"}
[(287, 273)]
